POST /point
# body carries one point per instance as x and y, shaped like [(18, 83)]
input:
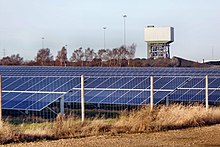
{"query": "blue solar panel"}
[(44, 101), (27, 101), (140, 98), (105, 71), (35, 93), (214, 95), (34, 88)]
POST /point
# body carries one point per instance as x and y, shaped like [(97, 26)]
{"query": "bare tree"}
[(44, 56), (123, 55), (122, 52), (102, 55), (131, 52), (13, 60), (115, 56), (62, 57), (16, 59), (89, 55), (77, 56), (109, 54)]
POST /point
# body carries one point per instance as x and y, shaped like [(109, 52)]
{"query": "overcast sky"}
[(79, 23)]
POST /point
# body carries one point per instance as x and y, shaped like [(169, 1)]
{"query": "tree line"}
[(116, 57)]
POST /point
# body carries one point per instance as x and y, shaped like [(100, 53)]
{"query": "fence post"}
[(151, 93), (62, 105), (1, 101), (167, 101), (82, 99), (206, 92)]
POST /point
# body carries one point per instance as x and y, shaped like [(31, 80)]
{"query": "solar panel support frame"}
[(26, 112), (62, 105), (167, 101)]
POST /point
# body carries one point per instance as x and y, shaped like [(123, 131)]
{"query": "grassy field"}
[(194, 136), (140, 121)]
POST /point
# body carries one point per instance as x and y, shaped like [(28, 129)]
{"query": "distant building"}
[(158, 41), (212, 62)]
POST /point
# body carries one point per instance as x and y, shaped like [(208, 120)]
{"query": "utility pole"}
[(212, 53), (42, 42), (125, 16), (4, 52), (104, 28)]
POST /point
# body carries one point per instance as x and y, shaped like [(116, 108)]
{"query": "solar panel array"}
[(34, 88), (105, 71), (34, 93)]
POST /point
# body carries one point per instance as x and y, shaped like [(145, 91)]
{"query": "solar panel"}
[(34, 93), (104, 71), (35, 88)]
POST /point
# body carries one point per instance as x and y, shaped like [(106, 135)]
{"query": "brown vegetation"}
[(116, 57), (143, 120)]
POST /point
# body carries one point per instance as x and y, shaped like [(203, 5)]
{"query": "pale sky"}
[(79, 23)]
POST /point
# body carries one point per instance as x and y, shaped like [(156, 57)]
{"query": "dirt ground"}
[(203, 136)]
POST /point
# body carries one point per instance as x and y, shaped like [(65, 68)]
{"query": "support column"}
[(167, 101), (151, 93), (148, 50), (26, 112), (62, 105), (82, 99), (206, 92)]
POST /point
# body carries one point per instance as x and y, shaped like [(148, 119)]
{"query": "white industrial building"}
[(158, 41)]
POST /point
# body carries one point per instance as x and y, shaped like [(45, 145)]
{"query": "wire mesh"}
[(42, 98)]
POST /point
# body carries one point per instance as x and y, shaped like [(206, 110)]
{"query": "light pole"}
[(65, 61), (42, 42), (4, 52), (104, 28), (124, 16)]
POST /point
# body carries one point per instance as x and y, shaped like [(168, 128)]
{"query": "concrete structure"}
[(158, 41)]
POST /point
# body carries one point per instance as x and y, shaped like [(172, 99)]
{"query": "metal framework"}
[(158, 50)]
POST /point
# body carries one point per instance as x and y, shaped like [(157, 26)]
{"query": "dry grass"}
[(178, 116), (143, 120), (137, 121), (70, 127), (10, 134), (7, 134)]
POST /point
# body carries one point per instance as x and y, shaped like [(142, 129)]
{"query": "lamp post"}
[(4, 52), (65, 61), (42, 42), (104, 28), (124, 16)]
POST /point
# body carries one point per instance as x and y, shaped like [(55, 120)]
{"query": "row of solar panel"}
[(115, 97), (36, 93), (52, 84), (38, 101), (142, 97), (64, 84), (74, 71)]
